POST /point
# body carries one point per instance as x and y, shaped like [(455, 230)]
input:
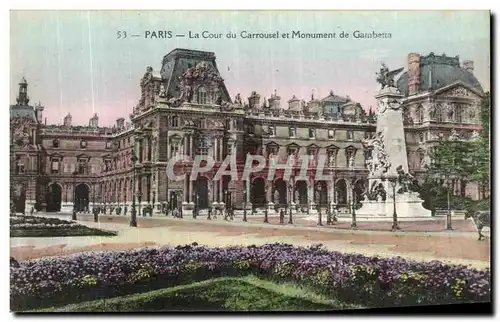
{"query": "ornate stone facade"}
[(186, 109)]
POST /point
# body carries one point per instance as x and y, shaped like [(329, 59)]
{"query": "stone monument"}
[(387, 161)]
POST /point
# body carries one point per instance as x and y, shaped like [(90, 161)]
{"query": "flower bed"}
[(353, 278), (30, 226)]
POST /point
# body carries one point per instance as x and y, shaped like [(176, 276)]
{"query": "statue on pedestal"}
[(386, 77)]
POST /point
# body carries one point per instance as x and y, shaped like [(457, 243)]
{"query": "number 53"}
[(121, 34)]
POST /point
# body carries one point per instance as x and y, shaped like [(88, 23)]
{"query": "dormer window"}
[(312, 133), (83, 144), (202, 96), (55, 143), (108, 144)]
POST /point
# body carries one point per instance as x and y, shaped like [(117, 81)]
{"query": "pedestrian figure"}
[(175, 213), (215, 213), (32, 210), (209, 217), (225, 214), (282, 216)]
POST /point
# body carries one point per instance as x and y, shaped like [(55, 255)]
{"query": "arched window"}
[(202, 96)]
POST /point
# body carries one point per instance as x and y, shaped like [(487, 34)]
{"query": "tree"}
[(481, 153)]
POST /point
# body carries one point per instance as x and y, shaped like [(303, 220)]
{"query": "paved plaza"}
[(417, 240)]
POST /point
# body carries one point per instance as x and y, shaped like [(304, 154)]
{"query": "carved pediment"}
[(459, 90), (332, 148), (83, 156), (175, 138), (56, 156), (272, 145), (293, 145), (350, 148)]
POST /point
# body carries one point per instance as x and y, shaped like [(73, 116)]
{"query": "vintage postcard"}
[(249, 160)]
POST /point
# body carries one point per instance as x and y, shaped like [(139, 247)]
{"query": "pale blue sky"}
[(74, 63)]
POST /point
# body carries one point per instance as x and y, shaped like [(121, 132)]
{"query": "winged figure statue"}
[(386, 77)]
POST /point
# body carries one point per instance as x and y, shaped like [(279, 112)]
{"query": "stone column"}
[(269, 196)]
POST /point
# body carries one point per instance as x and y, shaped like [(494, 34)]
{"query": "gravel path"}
[(460, 247)]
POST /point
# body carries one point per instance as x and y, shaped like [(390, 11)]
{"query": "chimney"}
[(120, 122), (274, 101), (94, 121), (67, 120), (468, 65), (254, 100), (413, 73), (294, 104)]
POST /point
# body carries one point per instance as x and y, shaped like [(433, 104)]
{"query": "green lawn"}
[(222, 294)]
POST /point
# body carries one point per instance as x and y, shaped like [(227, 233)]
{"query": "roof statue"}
[(386, 77)]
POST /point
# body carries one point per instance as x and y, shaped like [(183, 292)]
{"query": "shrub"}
[(351, 277)]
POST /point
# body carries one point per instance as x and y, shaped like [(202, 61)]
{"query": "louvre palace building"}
[(185, 108)]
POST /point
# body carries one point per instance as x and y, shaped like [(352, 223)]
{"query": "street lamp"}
[(133, 218), (354, 223), (448, 214), (73, 216), (245, 193), (394, 180), (96, 214), (196, 199), (318, 200), (265, 211), (290, 190)]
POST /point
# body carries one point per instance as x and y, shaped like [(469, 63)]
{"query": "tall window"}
[(312, 133), (439, 115), (331, 134), (54, 165), (202, 96), (292, 132), (108, 144), (203, 147), (350, 135), (272, 130), (420, 114), (19, 164), (82, 166), (421, 137), (55, 143), (458, 113), (174, 121)]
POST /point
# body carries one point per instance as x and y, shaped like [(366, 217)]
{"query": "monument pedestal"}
[(408, 208)]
